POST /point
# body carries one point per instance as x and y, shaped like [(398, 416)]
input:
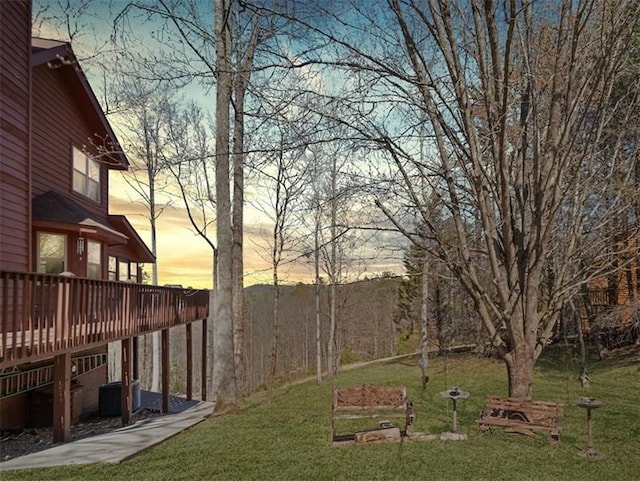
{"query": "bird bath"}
[(590, 404), (454, 394)]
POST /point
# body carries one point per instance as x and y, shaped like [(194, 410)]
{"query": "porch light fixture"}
[(80, 246)]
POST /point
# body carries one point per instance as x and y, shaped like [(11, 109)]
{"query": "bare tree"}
[(72, 21), (143, 121), (224, 380), (187, 24), (188, 155), (514, 97), (286, 177), (317, 224), (244, 68), (337, 249)]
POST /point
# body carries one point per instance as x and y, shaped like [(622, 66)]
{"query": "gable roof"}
[(143, 253), (59, 55)]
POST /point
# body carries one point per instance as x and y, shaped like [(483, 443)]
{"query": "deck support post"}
[(62, 398), (203, 383), (189, 339), (165, 371), (136, 358), (125, 400)]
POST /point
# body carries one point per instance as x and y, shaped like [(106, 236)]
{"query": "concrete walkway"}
[(116, 446)]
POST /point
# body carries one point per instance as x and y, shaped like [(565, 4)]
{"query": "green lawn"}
[(288, 440)]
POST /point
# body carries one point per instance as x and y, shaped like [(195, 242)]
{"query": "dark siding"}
[(15, 48), (58, 125), (14, 410)]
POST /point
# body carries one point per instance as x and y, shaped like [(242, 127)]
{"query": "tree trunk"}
[(224, 382), (332, 354), (520, 365), (237, 248), (584, 375), (316, 261), (424, 317), (240, 87), (154, 337), (273, 358)]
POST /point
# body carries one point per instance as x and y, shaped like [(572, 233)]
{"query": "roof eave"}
[(59, 51)]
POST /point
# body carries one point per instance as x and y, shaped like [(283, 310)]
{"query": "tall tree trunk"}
[(273, 357), (224, 382), (237, 247), (211, 320), (424, 316), (332, 348), (584, 375), (155, 336), (240, 87), (316, 263)]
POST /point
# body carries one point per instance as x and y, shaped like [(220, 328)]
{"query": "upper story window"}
[(52, 253), (86, 175)]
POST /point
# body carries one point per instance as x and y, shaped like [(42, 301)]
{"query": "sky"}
[(183, 257)]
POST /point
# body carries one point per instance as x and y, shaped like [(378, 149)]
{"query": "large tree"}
[(511, 99), (195, 44), (224, 380)]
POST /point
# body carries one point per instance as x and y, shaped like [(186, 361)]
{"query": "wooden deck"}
[(43, 315)]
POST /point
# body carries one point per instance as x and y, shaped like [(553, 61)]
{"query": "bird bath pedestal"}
[(454, 394), (589, 404)]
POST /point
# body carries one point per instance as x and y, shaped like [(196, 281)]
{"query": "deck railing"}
[(42, 315), (600, 297)]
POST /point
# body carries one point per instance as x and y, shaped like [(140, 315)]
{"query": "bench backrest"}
[(537, 412), (369, 396)]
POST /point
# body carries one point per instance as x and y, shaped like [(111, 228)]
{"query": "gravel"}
[(20, 442)]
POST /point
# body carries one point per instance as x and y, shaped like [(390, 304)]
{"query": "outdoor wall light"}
[(80, 246)]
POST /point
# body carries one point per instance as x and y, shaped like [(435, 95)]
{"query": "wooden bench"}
[(371, 402), (520, 415)]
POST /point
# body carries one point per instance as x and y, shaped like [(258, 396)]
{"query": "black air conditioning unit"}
[(110, 398)]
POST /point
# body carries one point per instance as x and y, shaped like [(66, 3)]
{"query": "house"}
[(70, 271), (612, 307)]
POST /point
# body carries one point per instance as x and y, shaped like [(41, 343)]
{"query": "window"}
[(127, 270), (94, 259), (52, 253), (86, 175), (133, 271), (123, 270), (113, 269)]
